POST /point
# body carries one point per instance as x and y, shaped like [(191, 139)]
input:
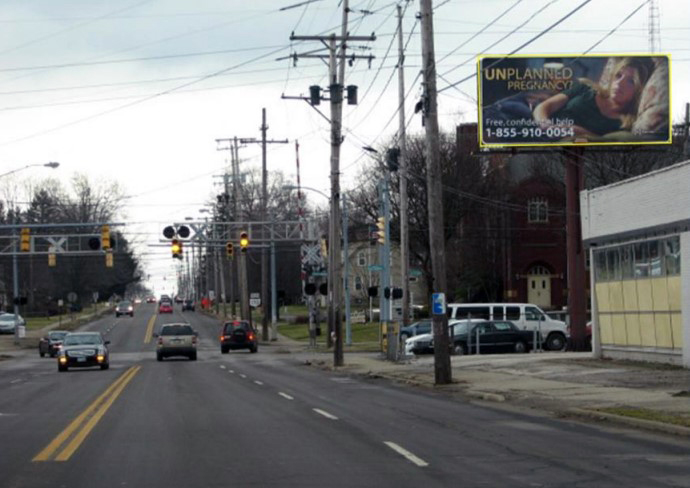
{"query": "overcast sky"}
[(138, 91)]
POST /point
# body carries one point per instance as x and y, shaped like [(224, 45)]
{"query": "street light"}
[(51, 165), (15, 264)]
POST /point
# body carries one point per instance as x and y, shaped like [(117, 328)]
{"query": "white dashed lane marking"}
[(285, 395), (407, 454), (258, 382), (325, 414), (243, 375)]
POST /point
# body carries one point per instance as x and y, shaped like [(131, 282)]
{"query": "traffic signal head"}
[(381, 229), (176, 249), (105, 237), (244, 241), (230, 250), (25, 240)]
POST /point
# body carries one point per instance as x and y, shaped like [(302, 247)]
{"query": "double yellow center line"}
[(149, 329), (69, 440)]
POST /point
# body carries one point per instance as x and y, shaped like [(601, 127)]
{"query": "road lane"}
[(241, 419)]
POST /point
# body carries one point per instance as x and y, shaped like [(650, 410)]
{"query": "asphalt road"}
[(266, 419)]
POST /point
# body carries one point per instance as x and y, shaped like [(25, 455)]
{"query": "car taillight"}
[(160, 341), (222, 338), (251, 336), (194, 340)]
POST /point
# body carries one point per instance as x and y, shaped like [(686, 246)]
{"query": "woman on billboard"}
[(596, 110)]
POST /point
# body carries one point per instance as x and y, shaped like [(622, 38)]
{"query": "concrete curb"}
[(631, 421)]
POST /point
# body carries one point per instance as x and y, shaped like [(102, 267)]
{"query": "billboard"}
[(574, 100)]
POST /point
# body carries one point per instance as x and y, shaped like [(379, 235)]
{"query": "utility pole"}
[(437, 245), (336, 81), (402, 142), (265, 298), (577, 283)]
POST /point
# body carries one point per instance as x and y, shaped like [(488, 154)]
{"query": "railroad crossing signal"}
[(244, 241), (25, 240), (230, 250), (109, 258), (52, 258)]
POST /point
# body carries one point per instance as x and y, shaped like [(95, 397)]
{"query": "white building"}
[(638, 235)]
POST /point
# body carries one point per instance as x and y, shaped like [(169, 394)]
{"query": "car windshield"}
[(83, 339), (176, 330), (57, 336), (9, 318)]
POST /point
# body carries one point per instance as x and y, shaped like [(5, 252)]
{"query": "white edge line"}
[(285, 395), (325, 414), (407, 454)]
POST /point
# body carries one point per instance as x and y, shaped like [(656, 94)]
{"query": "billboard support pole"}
[(577, 300)]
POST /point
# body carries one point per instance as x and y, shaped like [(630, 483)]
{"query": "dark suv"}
[(188, 305), (238, 334)]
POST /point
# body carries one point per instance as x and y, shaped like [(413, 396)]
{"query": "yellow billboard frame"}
[(574, 143)]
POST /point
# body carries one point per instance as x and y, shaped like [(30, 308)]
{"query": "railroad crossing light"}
[(176, 249), (25, 240), (381, 230), (230, 250), (244, 241), (105, 237)]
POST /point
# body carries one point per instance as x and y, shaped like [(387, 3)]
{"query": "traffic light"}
[(105, 237), (324, 248), (176, 249), (244, 241), (52, 260), (109, 258), (230, 250), (25, 240), (381, 230)]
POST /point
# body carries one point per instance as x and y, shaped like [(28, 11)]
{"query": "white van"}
[(525, 315)]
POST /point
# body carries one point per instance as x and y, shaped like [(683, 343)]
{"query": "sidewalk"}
[(643, 395)]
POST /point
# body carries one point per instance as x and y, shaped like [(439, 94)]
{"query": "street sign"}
[(95, 297), (320, 273), (415, 272), (375, 267), (72, 297), (255, 300), (438, 303)]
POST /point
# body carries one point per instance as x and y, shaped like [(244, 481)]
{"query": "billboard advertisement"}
[(574, 100)]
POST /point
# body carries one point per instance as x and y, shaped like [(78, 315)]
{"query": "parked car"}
[(238, 334), (424, 343), (493, 336), (165, 307), (51, 343), (188, 305), (124, 308), (421, 327), (8, 321), (83, 349), (525, 316), (150, 299), (176, 340)]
